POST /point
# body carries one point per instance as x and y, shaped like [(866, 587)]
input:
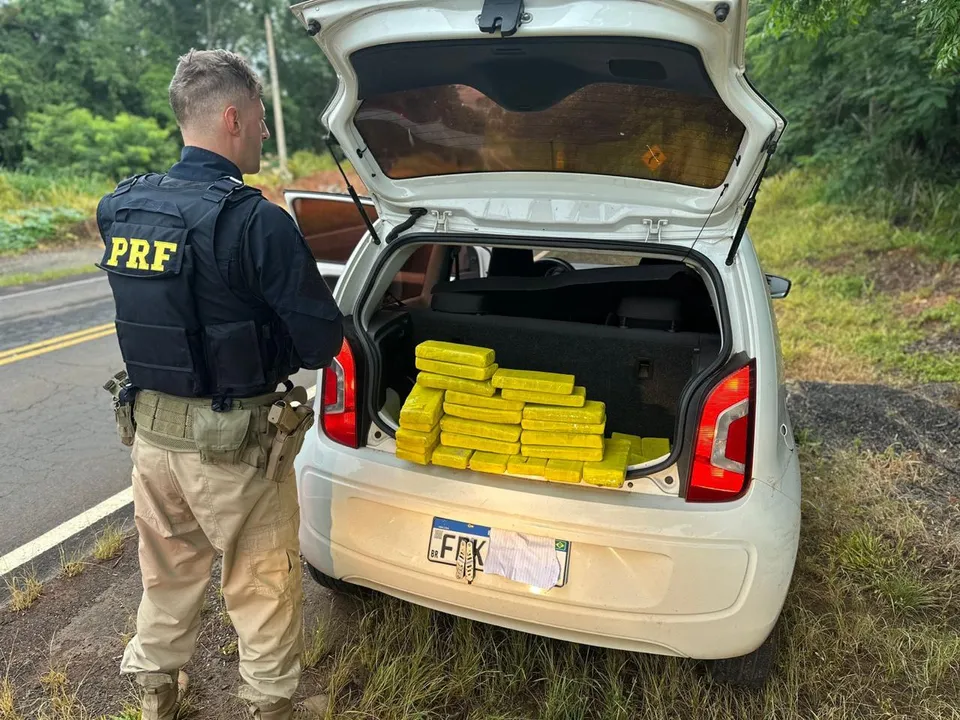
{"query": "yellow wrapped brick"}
[(534, 380), (445, 382), (635, 456), (556, 439), (519, 465), (467, 372), (547, 426), (491, 431), (489, 462), (423, 408), (575, 399), (417, 441), (479, 401), (564, 471), (455, 353), (474, 443), (456, 458), (612, 470), (421, 458), (593, 411), (508, 417), (560, 453), (419, 427), (653, 448)]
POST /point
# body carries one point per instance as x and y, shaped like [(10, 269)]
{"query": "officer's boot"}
[(160, 699), (280, 710)]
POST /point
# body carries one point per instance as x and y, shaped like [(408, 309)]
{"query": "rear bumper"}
[(646, 574)]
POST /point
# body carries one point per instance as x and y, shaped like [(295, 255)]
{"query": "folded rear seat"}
[(591, 296)]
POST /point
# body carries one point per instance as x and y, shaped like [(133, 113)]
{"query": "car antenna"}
[(702, 227), (351, 191)]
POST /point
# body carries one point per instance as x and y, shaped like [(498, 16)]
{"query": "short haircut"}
[(206, 81)]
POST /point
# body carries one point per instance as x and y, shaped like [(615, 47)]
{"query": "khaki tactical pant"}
[(186, 512)]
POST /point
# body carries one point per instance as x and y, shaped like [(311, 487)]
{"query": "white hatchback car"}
[(569, 184)]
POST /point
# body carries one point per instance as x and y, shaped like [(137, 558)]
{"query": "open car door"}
[(331, 225)]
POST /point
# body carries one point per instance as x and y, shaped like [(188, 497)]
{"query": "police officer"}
[(218, 302)]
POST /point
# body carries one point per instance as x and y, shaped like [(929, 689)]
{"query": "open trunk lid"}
[(624, 119)]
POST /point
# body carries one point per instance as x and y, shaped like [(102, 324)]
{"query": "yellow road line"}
[(58, 343), (53, 341)]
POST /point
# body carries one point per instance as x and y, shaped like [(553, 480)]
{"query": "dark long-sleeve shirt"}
[(272, 262)]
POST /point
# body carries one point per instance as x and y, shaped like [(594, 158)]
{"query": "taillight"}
[(338, 403), (724, 444)]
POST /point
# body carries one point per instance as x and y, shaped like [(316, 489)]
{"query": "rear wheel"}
[(337, 586), (749, 671)]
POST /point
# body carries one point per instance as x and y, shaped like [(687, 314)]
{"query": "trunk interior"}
[(634, 335)]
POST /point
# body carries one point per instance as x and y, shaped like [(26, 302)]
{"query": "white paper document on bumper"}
[(527, 559)]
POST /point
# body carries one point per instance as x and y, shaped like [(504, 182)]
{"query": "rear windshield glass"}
[(604, 128)]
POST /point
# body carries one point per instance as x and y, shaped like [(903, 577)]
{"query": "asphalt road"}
[(59, 452)]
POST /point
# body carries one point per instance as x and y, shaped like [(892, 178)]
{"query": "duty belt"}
[(167, 420)]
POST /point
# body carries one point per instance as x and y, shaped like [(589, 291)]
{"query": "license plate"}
[(445, 538)]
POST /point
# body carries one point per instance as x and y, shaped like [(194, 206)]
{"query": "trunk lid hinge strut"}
[(770, 148), (351, 191)]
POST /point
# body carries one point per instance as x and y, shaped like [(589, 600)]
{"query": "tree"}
[(117, 56), (865, 106), (938, 20)]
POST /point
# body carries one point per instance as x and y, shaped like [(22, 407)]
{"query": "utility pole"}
[(277, 109)]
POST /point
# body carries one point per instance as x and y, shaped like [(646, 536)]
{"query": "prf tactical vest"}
[(182, 329)]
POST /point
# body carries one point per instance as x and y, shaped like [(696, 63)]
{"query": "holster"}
[(124, 395), (292, 420)]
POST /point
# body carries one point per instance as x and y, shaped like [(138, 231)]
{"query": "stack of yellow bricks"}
[(466, 412)]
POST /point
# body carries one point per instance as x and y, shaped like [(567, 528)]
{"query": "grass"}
[(229, 648), (51, 209), (871, 629), (8, 701), (60, 702), (315, 646), (44, 276), (24, 590), (46, 209), (71, 564), (109, 542), (837, 324)]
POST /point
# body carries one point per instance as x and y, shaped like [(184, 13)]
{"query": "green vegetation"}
[(43, 208), (865, 103), (45, 276), (115, 59), (77, 141), (937, 20), (865, 293), (25, 229)]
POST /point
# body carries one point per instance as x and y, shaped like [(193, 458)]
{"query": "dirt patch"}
[(878, 417), (947, 342), (905, 271), (80, 626)]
